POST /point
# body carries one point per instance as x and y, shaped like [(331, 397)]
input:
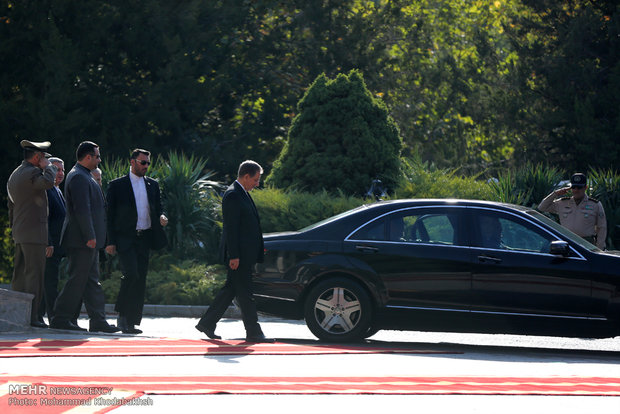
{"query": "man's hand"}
[(163, 220), (43, 162), (562, 191), (92, 243), (111, 249), (233, 264), (49, 251)]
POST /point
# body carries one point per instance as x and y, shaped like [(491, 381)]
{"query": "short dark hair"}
[(249, 167), (85, 148), (136, 152)]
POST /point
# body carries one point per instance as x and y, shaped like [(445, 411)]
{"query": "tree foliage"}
[(472, 84), (567, 82), (342, 138)]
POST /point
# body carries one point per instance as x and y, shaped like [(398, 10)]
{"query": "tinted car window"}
[(433, 228), (373, 231), (411, 227), (510, 233)]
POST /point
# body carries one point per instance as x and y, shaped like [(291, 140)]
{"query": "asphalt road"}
[(466, 355)]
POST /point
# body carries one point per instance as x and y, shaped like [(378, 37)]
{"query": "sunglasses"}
[(142, 162)]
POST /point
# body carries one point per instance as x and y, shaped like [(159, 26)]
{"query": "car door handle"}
[(366, 249), (489, 259)]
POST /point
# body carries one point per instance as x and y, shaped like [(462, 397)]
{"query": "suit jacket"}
[(242, 236), (85, 218), (55, 217), (123, 214), (28, 202)]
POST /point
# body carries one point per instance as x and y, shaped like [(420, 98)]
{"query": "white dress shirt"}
[(142, 201)]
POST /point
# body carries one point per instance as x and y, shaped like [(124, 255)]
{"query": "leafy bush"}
[(170, 283), (282, 210), (423, 181), (342, 138), (6, 251)]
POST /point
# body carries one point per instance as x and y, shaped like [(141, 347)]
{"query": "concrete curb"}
[(15, 308)]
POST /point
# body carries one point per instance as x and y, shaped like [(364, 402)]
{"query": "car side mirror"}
[(559, 248)]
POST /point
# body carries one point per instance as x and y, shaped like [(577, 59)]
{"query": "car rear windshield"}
[(333, 218)]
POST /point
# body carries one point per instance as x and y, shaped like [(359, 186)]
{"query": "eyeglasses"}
[(95, 156), (142, 162)]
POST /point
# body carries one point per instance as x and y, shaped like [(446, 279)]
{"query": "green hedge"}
[(421, 180), (292, 210), (173, 283)]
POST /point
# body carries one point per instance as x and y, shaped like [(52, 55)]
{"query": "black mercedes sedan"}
[(440, 265)]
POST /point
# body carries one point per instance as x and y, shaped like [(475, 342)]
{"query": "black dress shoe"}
[(68, 325), (259, 339), (104, 328), (130, 329), (209, 332), (38, 324)]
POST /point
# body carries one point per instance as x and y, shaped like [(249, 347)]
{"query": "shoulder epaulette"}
[(593, 199), (566, 198)]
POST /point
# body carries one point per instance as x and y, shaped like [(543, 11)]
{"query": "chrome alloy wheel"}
[(337, 310)]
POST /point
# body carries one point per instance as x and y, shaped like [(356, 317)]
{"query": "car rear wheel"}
[(338, 310)]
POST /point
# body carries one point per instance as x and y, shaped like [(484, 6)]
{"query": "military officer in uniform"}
[(27, 204), (579, 213)]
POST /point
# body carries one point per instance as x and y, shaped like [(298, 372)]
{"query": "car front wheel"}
[(338, 310)]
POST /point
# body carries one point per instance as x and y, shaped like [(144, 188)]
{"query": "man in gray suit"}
[(83, 234), (28, 220)]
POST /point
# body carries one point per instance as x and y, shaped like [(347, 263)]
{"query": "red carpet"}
[(153, 347), (101, 386), (60, 394)]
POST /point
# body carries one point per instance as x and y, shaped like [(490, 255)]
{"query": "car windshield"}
[(562, 230), (333, 218)]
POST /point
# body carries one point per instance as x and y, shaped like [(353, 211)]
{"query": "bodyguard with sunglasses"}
[(579, 213), (135, 225)]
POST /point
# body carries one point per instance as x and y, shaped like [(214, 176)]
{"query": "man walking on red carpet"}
[(240, 249)]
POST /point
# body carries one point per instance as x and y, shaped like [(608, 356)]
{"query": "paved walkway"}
[(477, 360)]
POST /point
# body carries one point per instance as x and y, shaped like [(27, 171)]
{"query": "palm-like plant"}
[(605, 186), (191, 202), (527, 185)]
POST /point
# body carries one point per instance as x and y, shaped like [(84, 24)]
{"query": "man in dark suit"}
[(135, 225), (27, 204), (241, 248), (55, 218), (83, 234)]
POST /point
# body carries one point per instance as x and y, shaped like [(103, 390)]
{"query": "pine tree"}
[(341, 139)]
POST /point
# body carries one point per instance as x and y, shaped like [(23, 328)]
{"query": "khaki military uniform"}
[(586, 219), (28, 220)]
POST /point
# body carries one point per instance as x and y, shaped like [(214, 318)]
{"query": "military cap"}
[(578, 180), (35, 146)]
